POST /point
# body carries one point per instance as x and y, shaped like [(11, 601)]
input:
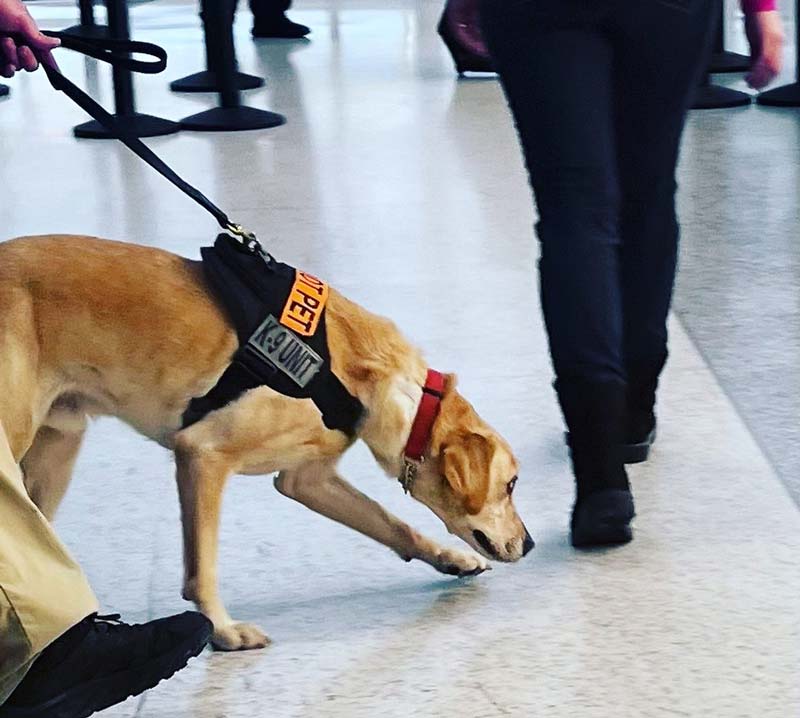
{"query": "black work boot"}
[(101, 661), (595, 416), (640, 433)]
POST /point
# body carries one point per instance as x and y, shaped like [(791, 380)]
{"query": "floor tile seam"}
[(735, 406)]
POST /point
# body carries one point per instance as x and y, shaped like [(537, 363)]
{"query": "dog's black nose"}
[(527, 544)]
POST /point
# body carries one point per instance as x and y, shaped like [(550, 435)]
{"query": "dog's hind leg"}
[(318, 487), (47, 465)]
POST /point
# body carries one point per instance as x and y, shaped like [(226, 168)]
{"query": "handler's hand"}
[(765, 34), (17, 52)]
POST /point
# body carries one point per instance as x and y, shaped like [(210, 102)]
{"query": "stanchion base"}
[(711, 97), (729, 62), (90, 32), (786, 96), (4, 90), (231, 119), (207, 81), (137, 124)]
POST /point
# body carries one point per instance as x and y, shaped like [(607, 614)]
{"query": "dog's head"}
[(468, 481)]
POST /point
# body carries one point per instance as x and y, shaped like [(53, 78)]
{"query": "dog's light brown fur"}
[(90, 326)]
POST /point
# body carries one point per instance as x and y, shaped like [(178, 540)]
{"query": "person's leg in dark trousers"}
[(556, 60), (270, 21), (658, 68), (562, 63)]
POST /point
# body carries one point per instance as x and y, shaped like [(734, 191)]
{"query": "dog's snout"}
[(527, 544)]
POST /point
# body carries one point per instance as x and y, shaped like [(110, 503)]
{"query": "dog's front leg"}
[(202, 474), (318, 487)]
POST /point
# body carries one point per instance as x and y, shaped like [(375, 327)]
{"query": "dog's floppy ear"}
[(465, 461), (464, 455)]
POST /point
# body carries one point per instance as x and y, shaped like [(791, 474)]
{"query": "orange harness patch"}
[(303, 309)]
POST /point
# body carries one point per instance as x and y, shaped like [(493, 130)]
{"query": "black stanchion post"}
[(124, 110), (122, 78), (788, 95), (87, 27), (208, 80), (231, 114), (87, 11), (722, 60)]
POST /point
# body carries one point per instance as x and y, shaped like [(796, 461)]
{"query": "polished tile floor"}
[(738, 293), (404, 188)]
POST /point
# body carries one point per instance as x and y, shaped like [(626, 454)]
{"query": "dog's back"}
[(81, 315)]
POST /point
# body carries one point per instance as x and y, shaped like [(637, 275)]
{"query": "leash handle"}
[(116, 52)]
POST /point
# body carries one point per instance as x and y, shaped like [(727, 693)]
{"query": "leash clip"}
[(247, 239), (242, 235)]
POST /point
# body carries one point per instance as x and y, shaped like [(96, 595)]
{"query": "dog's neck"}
[(390, 415)]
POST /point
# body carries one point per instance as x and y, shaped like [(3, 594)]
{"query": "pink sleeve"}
[(751, 6)]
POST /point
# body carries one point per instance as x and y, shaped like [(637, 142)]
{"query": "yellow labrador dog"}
[(95, 327)]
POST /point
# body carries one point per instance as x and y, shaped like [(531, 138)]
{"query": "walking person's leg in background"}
[(559, 62), (270, 21), (660, 59), (57, 658)]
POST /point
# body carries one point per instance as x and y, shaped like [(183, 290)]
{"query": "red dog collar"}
[(418, 439)]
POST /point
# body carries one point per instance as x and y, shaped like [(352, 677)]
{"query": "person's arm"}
[(20, 39), (762, 23)]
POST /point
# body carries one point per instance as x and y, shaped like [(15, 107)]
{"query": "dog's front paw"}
[(460, 563), (239, 637)]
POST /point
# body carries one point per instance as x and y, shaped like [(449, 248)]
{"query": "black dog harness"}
[(279, 315)]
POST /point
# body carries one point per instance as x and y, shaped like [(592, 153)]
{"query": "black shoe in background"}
[(280, 27), (102, 661)]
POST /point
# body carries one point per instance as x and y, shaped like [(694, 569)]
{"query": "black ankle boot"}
[(640, 432), (595, 415), (102, 661)]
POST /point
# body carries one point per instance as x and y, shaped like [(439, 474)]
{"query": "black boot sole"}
[(603, 519), (87, 698)]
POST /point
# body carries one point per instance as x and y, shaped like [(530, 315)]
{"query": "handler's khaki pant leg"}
[(42, 591)]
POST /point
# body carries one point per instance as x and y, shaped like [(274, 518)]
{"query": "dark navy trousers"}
[(599, 91)]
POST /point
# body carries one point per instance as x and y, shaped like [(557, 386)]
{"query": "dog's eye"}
[(511, 485)]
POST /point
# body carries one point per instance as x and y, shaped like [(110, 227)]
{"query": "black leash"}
[(117, 52)]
